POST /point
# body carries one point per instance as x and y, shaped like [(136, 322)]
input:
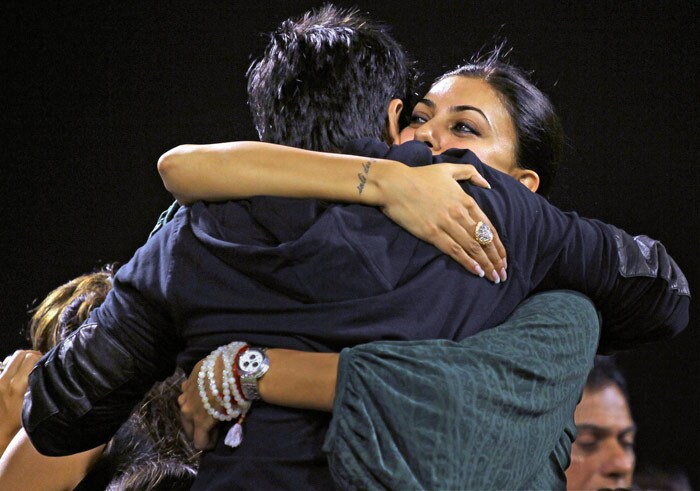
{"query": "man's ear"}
[(392, 123), (528, 178)]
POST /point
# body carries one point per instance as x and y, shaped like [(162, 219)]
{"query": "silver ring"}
[(483, 234)]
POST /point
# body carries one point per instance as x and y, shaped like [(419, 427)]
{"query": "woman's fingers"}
[(461, 172), (19, 364), (14, 381), (196, 421), (483, 256), (204, 432), (434, 207), (495, 250), (213, 437), (28, 363), (446, 244), (12, 364), (200, 439), (187, 424), (461, 225), (469, 172)]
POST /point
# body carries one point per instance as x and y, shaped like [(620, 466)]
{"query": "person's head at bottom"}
[(603, 454), (67, 307)]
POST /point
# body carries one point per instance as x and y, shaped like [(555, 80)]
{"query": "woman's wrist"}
[(381, 179), (5, 441), (300, 379)]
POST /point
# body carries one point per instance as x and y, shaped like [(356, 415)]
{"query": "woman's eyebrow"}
[(456, 109)]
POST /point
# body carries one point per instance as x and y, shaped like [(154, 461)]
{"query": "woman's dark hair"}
[(540, 138)]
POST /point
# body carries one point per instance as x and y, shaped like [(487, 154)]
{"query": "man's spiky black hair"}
[(327, 78)]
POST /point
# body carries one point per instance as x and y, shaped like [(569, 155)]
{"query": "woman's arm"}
[(426, 201), (14, 380), (237, 170), (22, 467), (300, 379), (295, 379)]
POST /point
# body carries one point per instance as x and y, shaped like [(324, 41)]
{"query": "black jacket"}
[(296, 274)]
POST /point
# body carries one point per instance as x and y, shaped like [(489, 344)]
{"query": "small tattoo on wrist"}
[(362, 176)]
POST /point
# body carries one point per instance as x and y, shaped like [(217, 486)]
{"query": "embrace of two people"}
[(393, 362)]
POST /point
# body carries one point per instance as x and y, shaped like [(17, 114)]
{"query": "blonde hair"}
[(67, 307)]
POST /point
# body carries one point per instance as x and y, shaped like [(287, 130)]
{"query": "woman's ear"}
[(528, 178), (392, 123)]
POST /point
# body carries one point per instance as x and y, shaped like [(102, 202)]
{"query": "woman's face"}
[(463, 112)]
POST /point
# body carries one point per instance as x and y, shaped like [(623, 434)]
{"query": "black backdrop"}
[(94, 94)]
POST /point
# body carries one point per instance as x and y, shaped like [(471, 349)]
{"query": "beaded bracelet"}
[(207, 368), (211, 366), (229, 385), (200, 386), (230, 388)]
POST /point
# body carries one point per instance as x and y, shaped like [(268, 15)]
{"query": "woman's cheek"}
[(407, 134)]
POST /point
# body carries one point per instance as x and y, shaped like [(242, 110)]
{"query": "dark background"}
[(94, 95)]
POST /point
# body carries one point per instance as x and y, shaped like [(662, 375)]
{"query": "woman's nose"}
[(426, 134)]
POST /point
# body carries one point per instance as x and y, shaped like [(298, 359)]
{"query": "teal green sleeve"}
[(165, 217), (494, 411)]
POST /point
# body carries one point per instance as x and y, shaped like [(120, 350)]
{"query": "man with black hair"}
[(289, 94), (298, 275)]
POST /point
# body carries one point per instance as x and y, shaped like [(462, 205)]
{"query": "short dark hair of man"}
[(605, 373), (327, 78)]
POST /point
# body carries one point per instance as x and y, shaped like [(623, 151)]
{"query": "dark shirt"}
[(296, 274)]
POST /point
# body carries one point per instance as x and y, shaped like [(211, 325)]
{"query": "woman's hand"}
[(198, 424), (428, 202), (14, 381)]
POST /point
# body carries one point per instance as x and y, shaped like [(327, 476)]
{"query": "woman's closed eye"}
[(418, 119), (462, 128)]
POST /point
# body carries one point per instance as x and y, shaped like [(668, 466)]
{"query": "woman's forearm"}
[(22, 467), (300, 379), (4, 442), (426, 201), (238, 170)]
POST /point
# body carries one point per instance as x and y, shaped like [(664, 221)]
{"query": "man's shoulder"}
[(413, 153)]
